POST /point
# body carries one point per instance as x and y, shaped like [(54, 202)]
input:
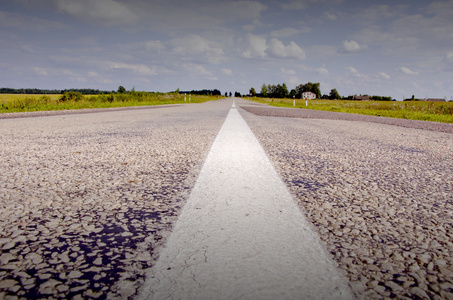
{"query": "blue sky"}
[(389, 48)]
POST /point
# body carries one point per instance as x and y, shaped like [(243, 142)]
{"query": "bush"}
[(71, 96)]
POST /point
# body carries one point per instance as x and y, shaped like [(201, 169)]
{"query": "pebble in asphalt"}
[(241, 235)]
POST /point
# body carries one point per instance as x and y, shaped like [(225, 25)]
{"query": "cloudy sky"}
[(387, 47)]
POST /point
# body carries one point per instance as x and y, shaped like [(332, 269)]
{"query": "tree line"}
[(120, 90), (205, 92), (281, 91), (52, 92)]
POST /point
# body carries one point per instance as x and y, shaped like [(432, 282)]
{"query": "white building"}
[(308, 95)]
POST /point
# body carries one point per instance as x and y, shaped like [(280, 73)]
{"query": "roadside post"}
[(185, 97), (294, 100), (190, 96), (306, 102)]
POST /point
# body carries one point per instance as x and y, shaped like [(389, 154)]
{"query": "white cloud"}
[(292, 50), (255, 46), (92, 74), (288, 71), (135, 68), (353, 71), (197, 48), (251, 27), (293, 81), (352, 46), (449, 57), (154, 46), (198, 70), (384, 75), (407, 71), (322, 71), (40, 71), (227, 72), (330, 16), (108, 12)]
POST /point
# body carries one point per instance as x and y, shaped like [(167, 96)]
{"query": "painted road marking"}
[(241, 234)]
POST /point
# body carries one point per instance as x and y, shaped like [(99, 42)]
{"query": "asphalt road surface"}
[(88, 201)]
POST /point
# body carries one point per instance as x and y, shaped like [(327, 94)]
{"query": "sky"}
[(396, 48)]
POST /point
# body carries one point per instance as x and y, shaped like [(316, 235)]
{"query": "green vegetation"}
[(281, 91), (47, 92), (413, 110), (75, 100)]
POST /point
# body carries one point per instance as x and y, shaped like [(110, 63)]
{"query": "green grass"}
[(24, 103), (413, 110)]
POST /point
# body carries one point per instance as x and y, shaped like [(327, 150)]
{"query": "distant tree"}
[(237, 94), (278, 92), (334, 94), (292, 93), (121, 89), (231, 94), (271, 90), (285, 91), (226, 94), (264, 90), (252, 92), (299, 90), (315, 89)]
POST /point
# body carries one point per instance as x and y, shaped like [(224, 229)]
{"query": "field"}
[(413, 110), (22, 103)]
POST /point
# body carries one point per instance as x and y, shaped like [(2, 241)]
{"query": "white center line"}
[(241, 234)]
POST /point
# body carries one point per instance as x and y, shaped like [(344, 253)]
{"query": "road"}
[(88, 200)]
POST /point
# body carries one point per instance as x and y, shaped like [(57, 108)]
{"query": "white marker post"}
[(294, 100), (190, 96), (306, 102), (185, 97)]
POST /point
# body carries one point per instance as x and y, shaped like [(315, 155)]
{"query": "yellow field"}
[(11, 97), (34, 102)]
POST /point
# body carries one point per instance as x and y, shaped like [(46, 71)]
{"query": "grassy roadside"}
[(23, 103), (412, 110)]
